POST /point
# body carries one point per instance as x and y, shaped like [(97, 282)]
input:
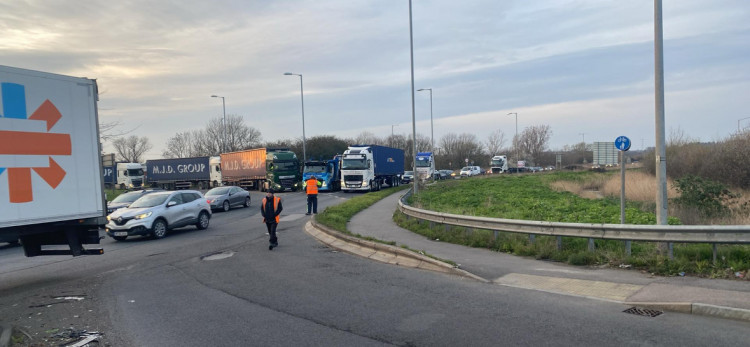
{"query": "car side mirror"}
[(171, 203)]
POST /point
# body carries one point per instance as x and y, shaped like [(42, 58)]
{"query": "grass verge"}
[(337, 216), (529, 197)]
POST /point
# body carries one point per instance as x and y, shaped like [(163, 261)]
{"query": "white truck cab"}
[(215, 176), (425, 166), (129, 175)]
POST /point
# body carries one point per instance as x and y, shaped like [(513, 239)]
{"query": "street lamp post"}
[(224, 123), (393, 125), (583, 136), (413, 115), (738, 123), (515, 139), (302, 96), (432, 129)]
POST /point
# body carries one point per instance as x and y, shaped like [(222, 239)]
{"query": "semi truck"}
[(123, 176), (329, 172), (262, 169), (51, 184), (184, 173), (499, 164), (426, 166), (369, 167)]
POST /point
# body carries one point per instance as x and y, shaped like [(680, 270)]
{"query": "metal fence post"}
[(532, 238), (592, 247), (559, 243), (715, 251), (494, 235)]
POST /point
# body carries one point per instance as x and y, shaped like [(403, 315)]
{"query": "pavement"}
[(713, 297)]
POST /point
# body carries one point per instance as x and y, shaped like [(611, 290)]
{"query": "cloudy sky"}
[(579, 66)]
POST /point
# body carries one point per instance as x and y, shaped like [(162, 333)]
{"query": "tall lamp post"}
[(515, 139), (302, 96), (583, 137), (432, 129), (413, 115), (393, 125), (224, 122)]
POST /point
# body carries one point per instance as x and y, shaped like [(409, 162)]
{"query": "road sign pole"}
[(622, 144)]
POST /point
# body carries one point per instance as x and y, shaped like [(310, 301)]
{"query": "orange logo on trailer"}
[(30, 143)]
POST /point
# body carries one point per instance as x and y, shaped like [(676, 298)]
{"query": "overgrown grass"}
[(529, 197), (337, 216)]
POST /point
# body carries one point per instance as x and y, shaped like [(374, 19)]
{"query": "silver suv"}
[(155, 213)]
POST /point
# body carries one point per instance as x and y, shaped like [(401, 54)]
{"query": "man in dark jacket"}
[(271, 208)]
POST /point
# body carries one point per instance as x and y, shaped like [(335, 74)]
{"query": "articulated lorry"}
[(369, 167), (123, 176), (499, 164), (426, 166), (329, 172), (184, 173), (51, 189), (262, 169)]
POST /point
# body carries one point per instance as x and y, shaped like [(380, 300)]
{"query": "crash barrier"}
[(715, 234)]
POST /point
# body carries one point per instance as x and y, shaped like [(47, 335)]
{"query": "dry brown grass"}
[(640, 186)]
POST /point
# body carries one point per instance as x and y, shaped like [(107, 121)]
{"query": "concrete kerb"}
[(6, 332), (388, 254), (696, 308)]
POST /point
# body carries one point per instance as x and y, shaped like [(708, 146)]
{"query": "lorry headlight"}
[(324, 184), (364, 184), (143, 215)]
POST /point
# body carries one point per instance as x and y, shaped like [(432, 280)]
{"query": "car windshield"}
[(150, 200), (315, 168), (218, 191), (128, 197), (423, 163), (467, 168), (408, 173), (354, 164)]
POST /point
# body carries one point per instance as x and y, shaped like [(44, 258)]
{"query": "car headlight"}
[(108, 218), (143, 215)]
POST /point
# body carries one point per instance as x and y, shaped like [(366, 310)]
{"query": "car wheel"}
[(160, 229), (225, 206), (202, 221), (119, 238), (247, 201)]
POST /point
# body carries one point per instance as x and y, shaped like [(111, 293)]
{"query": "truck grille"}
[(353, 178), (137, 183), (287, 183)]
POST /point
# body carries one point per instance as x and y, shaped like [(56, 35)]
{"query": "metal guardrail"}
[(626, 232)]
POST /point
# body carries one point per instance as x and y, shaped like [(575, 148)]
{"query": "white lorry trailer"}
[(51, 189)]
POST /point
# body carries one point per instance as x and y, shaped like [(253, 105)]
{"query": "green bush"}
[(707, 196)]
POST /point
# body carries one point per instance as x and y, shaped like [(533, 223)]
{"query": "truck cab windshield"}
[(285, 165), (135, 172), (354, 164), (315, 168), (423, 163), (497, 162)]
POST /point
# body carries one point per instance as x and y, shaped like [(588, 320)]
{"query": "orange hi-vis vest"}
[(312, 186), (275, 206)]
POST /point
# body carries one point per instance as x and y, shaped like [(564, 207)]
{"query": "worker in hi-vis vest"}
[(311, 188), (271, 208)]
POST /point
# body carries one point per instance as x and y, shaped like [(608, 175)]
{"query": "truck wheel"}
[(225, 206), (247, 202), (202, 221), (119, 238), (160, 229)]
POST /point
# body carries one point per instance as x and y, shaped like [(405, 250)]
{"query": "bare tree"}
[(495, 142), (131, 149), (368, 138), (107, 131), (182, 145), (533, 141), (458, 148)]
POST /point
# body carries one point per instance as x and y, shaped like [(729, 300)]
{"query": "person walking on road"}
[(271, 208), (311, 188)]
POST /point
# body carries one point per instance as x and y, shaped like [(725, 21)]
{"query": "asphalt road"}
[(223, 287)]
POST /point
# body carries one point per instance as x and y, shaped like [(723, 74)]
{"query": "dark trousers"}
[(312, 202), (272, 233)]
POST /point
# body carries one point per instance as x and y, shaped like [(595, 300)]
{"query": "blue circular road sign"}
[(622, 143)]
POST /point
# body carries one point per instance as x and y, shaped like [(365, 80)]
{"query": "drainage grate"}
[(643, 312)]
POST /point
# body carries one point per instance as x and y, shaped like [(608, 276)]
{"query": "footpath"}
[(713, 297)]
